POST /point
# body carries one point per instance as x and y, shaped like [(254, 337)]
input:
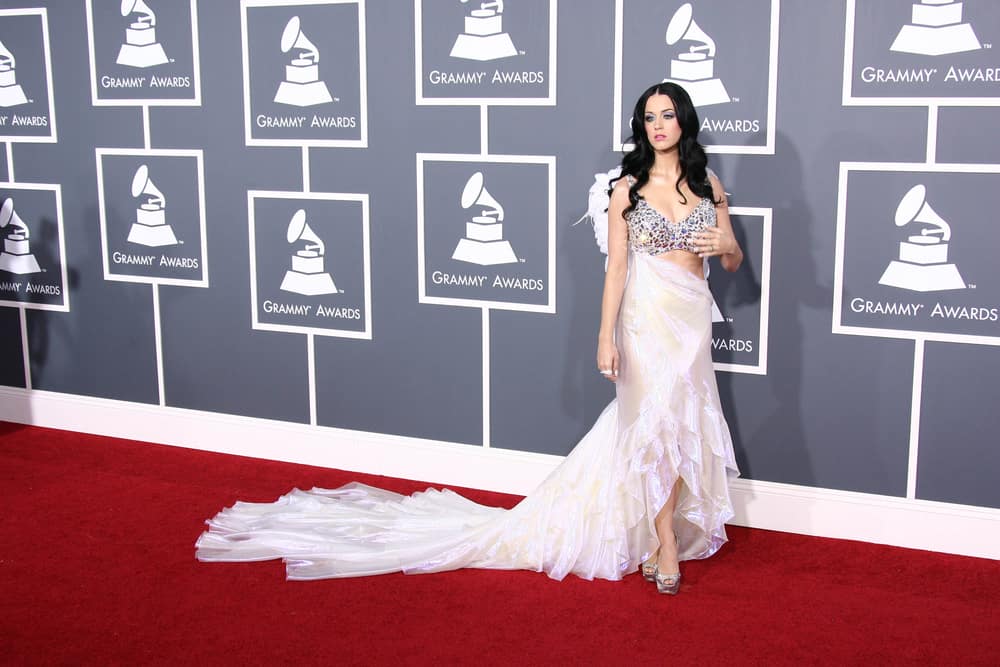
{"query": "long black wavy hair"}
[(639, 160)]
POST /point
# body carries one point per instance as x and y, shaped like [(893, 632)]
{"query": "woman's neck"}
[(666, 164)]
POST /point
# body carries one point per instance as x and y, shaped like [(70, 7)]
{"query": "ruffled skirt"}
[(593, 516)]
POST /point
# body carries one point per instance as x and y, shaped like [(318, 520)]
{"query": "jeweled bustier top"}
[(651, 233)]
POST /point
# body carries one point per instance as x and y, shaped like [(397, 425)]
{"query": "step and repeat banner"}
[(364, 214)]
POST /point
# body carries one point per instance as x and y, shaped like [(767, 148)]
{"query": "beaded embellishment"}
[(650, 233)]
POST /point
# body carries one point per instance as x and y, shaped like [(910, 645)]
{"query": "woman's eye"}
[(649, 119)]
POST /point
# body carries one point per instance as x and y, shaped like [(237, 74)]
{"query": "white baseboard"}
[(919, 524), (966, 530)]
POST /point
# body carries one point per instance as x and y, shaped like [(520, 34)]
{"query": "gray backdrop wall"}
[(271, 210)]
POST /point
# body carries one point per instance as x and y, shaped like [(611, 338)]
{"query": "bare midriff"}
[(685, 259)]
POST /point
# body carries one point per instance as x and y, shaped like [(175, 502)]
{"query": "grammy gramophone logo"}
[(11, 93), (923, 264), (484, 38), (16, 255), (694, 69), (936, 28), (308, 275), (484, 243), (150, 226), (140, 48), (302, 86)]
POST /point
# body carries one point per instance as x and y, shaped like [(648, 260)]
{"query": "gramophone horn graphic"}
[(923, 258), (150, 227), (484, 38), (694, 69), (307, 275), (483, 243), (16, 256), (11, 93), (302, 86), (140, 48), (936, 29)]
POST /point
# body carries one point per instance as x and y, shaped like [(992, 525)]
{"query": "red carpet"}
[(97, 568)]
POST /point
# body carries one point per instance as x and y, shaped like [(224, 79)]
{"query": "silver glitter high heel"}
[(649, 569), (668, 583)]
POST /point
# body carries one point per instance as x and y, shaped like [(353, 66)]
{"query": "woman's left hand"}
[(713, 241)]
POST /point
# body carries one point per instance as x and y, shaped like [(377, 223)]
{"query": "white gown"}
[(593, 515)]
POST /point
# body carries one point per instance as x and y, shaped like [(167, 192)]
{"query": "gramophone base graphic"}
[(16, 258), (308, 284), (484, 253), (150, 227), (922, 265), (141, 48), (307, 276), (153, 236), (484, 38), (302, 94), (936, 40), (705, 92), (142, 55), (483, 47), (922, 277), (11, 96)]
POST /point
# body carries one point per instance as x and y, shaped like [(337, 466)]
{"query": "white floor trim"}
[(920, 524)]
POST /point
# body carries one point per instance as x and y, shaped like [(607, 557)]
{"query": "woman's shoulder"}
[(623, 184), (620, 190), (626, 180)]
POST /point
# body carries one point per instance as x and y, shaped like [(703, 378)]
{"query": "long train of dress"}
[(592, 516)]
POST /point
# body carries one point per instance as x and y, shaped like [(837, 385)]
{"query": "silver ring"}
[(605, 371)]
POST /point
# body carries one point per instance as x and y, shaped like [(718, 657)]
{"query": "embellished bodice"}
[(650, 233)]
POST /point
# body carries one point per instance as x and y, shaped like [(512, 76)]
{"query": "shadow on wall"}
[(40, 328), (780, 436), (584, 394)]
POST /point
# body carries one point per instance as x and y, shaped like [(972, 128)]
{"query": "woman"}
[(648, 483), (667, 214)]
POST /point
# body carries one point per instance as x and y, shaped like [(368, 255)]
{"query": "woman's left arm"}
[(719, 240)]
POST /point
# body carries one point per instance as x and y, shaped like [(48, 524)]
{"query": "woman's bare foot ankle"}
[(666, 560)]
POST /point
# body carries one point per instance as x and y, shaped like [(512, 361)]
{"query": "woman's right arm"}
[(614, 280)]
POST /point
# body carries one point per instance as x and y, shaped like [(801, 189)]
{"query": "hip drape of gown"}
[(593, 516)]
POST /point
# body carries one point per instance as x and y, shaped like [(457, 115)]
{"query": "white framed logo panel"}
[(144, 52), (152, 209), (33, 255), (486, 231), (310, 263), (724, 53), (304, 73), (742, 299), (27, 104), (921, 52), (915, 255), (477, 52)]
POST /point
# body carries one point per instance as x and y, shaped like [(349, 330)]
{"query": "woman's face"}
[(662, 128)]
